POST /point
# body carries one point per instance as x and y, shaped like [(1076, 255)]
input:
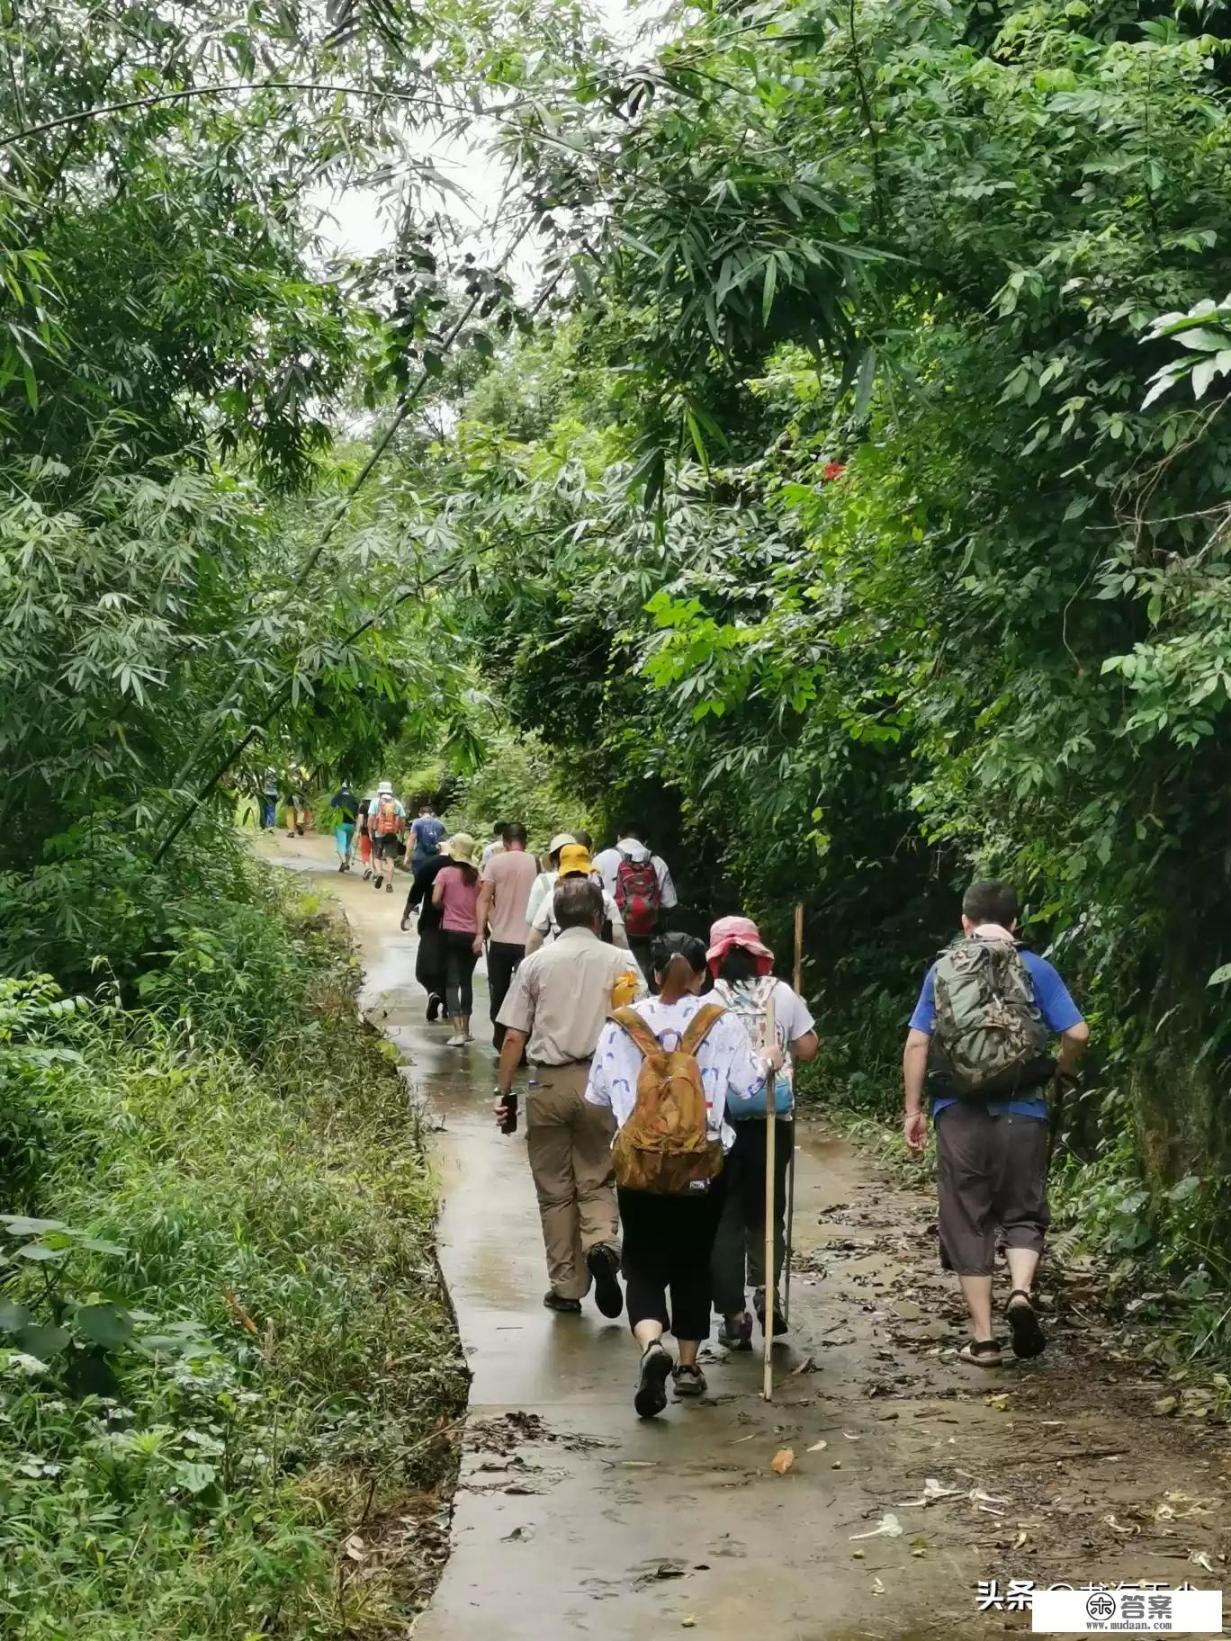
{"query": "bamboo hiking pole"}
[(798, 980), (771, 1128)]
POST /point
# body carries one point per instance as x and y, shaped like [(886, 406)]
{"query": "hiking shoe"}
[(379, 880), (688, 1381), (758, 1305), (367, 872), (435, 1007), (389, 885), (603, 1263), (652, 1378), (736, 1335), (457, 1041), (557, 1302), (1028, 1338)]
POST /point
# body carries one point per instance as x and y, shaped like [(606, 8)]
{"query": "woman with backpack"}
[(742, 966), (666, 1068), (456, 892)]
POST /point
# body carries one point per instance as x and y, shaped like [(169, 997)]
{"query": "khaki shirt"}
[(561, 996)]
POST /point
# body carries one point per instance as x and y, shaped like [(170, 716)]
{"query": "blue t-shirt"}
[(1059, 1011), (427, 832)]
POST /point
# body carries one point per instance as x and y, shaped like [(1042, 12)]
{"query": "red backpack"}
[(386, 818), (638, 896)]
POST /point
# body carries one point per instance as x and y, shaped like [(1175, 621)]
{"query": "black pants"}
[(739, 1247), (668, 1242), (991, 1172), (460, 959), (430, 960), (503, 958)]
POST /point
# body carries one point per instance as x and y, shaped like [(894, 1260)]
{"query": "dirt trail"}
[(572, 1517)]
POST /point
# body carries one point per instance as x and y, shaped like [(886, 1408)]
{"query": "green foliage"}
[(220, 1236)]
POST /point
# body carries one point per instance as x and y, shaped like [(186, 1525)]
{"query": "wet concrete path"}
[(573, 1517)]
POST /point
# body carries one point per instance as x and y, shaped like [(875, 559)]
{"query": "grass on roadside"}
[(224, 1410)]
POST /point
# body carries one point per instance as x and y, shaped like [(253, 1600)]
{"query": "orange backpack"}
[(386, 817), (664, 1147)]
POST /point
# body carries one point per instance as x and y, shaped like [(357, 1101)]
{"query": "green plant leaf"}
[(43, 1341), (106, 1325), (13, 1317)]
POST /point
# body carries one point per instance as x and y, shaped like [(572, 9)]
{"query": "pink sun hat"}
[(738, 931)]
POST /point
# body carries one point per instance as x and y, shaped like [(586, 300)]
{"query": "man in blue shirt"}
[(425, 836), (991, 1155)]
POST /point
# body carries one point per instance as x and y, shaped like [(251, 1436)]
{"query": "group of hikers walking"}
[(659, 1074)]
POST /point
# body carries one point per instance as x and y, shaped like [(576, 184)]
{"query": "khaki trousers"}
[(569, 1143)]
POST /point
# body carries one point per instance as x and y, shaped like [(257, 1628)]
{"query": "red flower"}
[(833, 470)]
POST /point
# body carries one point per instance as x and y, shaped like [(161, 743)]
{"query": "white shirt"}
[(729, 1071), (495, 847), (607, 865), (544, 920), (543, 885), (792, 1019)]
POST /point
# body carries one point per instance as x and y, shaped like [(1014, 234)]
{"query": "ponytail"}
[(676, 959)]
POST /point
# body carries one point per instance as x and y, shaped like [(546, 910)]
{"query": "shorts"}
[(991, 1174), (385, 846)]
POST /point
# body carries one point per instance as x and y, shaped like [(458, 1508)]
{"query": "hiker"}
[(430, 966), (666, 1068), (545, 883), (508, 878), (742, 966), (386, 823), (269, 800), (554, 1013), (426, 833), (495, 845), (575, 862), (640, 884), (362, 812), (979, 1042), (346, 804), (296, 811), (456, 892)]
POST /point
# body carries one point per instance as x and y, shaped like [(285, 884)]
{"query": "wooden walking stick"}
[(790, 1178), (771, 1129)]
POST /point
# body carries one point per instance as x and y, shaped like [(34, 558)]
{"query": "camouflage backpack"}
[(989, 1038)]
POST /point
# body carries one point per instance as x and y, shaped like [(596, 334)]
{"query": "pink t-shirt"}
[(458, 900), (511, 876)]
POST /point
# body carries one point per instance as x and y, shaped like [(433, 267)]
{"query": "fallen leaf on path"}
[(783, 1459), (1019, 1541), (851, 1438), (888, 1527), (354, 1547), (1166, 1404), (739, 1442), (978, 1496), (998, 1402), (1118, 1526), (857, 1555), (688, 1623), (669, 1569), (808, 1365), (519, 1535), (818, 1447), (877, 1587), (1200, 1558)]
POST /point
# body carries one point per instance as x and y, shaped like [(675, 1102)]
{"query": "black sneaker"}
[(378, 881), (652, 1378), (434, 1006), (557, 1302), (604, 1262), (758, 1305), (736, 1335)]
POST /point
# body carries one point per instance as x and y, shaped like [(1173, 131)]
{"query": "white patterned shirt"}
[(729, 1070)]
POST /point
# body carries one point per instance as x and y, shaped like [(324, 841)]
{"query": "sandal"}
[(984, 1353), (1028, 1336)]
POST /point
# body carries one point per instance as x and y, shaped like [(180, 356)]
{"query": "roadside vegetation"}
[(227, 1364)]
